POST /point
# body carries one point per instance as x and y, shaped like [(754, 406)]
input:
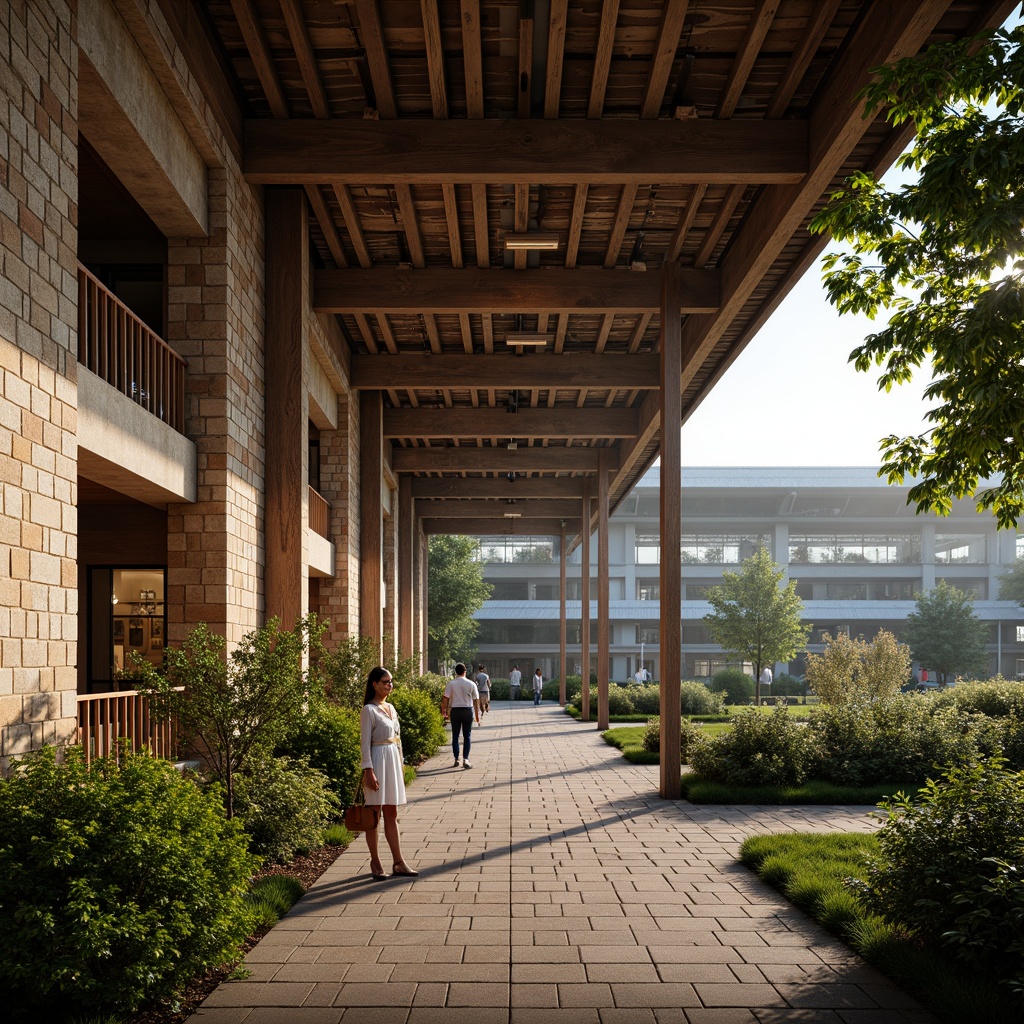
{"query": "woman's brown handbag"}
[(359, 817)]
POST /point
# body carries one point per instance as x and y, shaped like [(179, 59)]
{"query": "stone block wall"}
[(38, 374)]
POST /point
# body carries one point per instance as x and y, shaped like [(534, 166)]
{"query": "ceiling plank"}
[(663, 57), (506, 371), (472, 59), (486, 508), (494, 460), (298, 32), (499, 487), (526, 423), (603, 58), (355, 229), (498, 527), (610, 152), (470, 290), (372, 34), (435, 58), (256, 43), (558, 17)]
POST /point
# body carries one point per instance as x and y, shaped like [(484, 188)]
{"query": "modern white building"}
[(858, 552)]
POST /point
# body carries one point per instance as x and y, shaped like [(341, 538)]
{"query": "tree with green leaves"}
[(1011, 583), (944, 634), (455, 592), (851, 669), (756, 619), (943, 256)]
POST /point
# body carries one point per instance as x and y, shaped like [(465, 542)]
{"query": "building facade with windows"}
[(858, 553)]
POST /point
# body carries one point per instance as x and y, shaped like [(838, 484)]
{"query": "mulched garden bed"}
[(307, 869)]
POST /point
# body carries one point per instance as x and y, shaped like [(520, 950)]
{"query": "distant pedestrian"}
[(483, 684), (515, 678), (461, 703), (538, 687), (766, 679)]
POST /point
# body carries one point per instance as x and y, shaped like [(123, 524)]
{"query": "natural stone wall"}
[(38, 372)]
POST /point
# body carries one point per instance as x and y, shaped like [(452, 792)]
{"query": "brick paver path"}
[(556, 886)]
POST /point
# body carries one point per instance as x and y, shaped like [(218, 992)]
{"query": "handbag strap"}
[(359, 798)]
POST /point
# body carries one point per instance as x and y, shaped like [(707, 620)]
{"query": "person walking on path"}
[(515, 678), (383, 778), (461, 703), (538, 687), (483, 684), (766, 679)]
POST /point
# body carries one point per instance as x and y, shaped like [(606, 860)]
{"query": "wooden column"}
[(603, 591), (287, 282), (562, 661), (424, 597), (371, 514), (406, 584), (671, 513), (585, 603)]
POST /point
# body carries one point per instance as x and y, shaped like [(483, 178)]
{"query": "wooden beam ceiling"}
[(497, 527), (498, 487), (539, 370), (526, 423), (472, 290), (525, 152), (483, 508), (494, 460)]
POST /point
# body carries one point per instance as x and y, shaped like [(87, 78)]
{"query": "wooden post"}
[(585, 603), (371, 514), (424, 598), (603, 591), (406, 541), (562, 660), (671, 529), (287, 250)]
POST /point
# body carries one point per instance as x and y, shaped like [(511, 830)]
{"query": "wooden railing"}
[(319, 514), (117, 346), (105, 718)]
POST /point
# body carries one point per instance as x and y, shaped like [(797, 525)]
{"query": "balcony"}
[(119, 348), (320, 548), (106, 718)]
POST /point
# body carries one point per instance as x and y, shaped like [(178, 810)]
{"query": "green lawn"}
[(809, 871)]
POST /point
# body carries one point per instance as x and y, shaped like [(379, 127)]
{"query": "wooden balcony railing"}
[(117, 346), (105, 718), (319, 514)]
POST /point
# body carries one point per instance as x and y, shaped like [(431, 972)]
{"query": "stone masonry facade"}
[(38, 374)]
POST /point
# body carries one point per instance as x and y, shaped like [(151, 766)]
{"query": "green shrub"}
[(785, 685), (271, 897), (500, 689), (429, 683), (899, 739), (620, 700), (696, 699), (329, 739), (950, 866), (734, 684), (996, 698), (422, 725), (690, 735), (337, 835), (646, 699), (118, 883), (573, 687), (761, 749), (285, 805)]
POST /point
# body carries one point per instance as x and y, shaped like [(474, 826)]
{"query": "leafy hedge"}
[(119, 883), (422, 725)]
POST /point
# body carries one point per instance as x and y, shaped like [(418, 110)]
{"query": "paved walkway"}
[(556, 886)]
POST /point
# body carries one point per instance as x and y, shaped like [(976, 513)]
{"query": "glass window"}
[(959, 548), (127, 619), (847, 591), (515, 549), (892, 549), (720, 548), (648, 548), (648, 590), (1020, 634), (647, 633)]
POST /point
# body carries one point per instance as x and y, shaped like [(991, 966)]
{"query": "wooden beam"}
[(558, 16), (575, 370), (407, 210), (494, 290), (760, 22), (259, 52), (372, 34), (435, 58), (609, 152), (526, 423), (663, 58), (626, 200), (494, 460), (326, 222), (562, 630), (481, 230), (499, 527), (355, 229), (371, 516), (298, 32), (483, 508), (603, 594), (524, 78), (498, 487), (602, 60), (451, 214), (579, 208), (472, 59), (406, 574), (585, 600), (818, 23)]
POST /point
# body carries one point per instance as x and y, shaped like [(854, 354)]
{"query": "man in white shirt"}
[(515, 678), (461, 703), (766, 679)]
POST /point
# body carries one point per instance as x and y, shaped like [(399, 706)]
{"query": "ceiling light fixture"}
[(532, 338), (545, 240), (512, 515)]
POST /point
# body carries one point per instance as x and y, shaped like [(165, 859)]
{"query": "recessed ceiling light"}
[(513, 515), (533, 338)]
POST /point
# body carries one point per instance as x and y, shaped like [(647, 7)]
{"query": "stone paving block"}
[(368, 1015), (545, 972), (563, 1015), (597, 994), (666, 994), (296, 1015), (376, 994), (221, 1014), (691, 973), (323, 994), (532, 994), (738, 995), (478, 994), (720, 1015), (827, 997), (310, 972), (431, 994), (628, 1015)]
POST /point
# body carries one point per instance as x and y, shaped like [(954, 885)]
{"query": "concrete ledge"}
[(321, 555), (123, 447)]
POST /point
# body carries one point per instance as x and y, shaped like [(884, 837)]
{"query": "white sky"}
[(793, 399)]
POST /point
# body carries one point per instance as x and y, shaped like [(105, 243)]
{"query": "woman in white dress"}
[(383, 781)]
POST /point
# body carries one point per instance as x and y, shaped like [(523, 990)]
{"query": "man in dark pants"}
[(461, 703)]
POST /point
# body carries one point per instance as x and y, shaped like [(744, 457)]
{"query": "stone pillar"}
[(38, 377), (215, 310)]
